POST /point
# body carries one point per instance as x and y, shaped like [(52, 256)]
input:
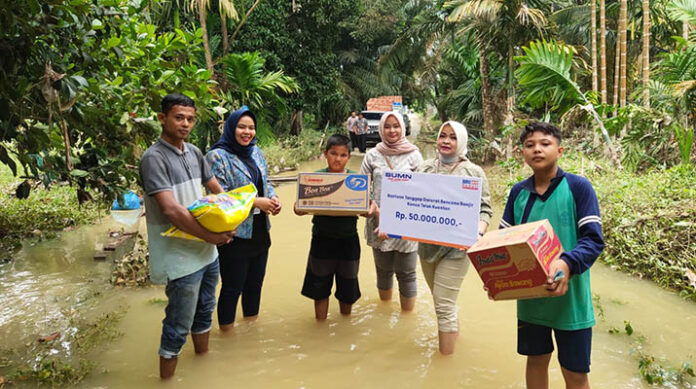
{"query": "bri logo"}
[(397, 176), (356, 182), (470, 184)]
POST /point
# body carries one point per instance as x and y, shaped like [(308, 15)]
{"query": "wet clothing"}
[(444, 267), (190, 306), (403, 265), (164, 167), (334, 252), (574, 347), (243, 260), (444, 277), (570, 204), (242, 275), (321, 272)]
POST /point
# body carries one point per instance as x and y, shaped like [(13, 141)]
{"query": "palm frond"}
[(486, 10), (682, 10), (544, 74)]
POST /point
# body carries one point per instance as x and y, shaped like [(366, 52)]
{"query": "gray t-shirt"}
[(164, 167)]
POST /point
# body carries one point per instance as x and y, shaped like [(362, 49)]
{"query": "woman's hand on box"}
[(373, 210), (558, 287)]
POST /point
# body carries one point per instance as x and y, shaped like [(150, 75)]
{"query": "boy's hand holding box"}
[(514, 262), (335, 194)]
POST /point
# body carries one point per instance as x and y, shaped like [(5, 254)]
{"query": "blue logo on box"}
[(356, 182)]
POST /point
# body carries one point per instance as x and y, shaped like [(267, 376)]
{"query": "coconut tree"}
[(250, 84), (544, 74), (499, 26), (227, 10)]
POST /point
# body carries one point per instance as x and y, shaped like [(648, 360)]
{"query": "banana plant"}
[(544, 75)]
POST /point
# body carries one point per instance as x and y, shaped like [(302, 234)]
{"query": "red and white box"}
[(514, 262)]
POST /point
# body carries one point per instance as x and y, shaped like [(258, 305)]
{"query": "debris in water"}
[(49, 338)]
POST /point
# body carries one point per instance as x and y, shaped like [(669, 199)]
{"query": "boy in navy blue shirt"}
[(335, 247), (570, 204)]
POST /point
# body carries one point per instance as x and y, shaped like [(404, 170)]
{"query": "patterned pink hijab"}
[(401, 146)]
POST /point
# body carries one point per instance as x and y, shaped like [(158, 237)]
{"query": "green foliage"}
[(654, 373), (647, 139), (44, 211), (289, 151), (683, 10), (250, 85), (544, 73), (102, 68), (685, 140), (648, 224)]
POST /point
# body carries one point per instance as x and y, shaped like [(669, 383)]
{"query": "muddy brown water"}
[(376, 346)]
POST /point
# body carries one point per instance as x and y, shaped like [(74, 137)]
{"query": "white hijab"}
[(462, 137)]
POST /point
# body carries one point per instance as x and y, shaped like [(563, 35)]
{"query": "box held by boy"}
[(513, 263), (336, 194)]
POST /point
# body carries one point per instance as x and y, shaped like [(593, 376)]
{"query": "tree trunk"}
[(623, 33), (603, 50), (593, 38), (202, 16), (511, 82), (617, 65), (486, 95), (225, 41), (685, 29), (296, 123), (646, 53)]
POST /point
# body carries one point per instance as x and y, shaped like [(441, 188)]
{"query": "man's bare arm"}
[(181, 218)]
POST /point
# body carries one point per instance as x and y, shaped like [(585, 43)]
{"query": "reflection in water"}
[(376, 346)]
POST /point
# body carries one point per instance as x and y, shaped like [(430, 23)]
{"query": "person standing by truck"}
[(351, 126), (361, 131)]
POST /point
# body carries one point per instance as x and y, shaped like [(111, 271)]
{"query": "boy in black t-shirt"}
[(335, 248)]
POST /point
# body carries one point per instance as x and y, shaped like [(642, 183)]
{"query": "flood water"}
[(376, 346)]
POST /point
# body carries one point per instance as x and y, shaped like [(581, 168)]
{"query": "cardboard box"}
[(514, 262), (336, 194)]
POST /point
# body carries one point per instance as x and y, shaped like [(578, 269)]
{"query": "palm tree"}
[(593, 38), (544, 75), (603, 50), (499, 26), (250, 85), (646, 53), (623, 39), (227, 10), (684, 11)]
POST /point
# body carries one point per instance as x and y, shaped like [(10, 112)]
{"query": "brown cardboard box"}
[(514, 262), (337, 194)]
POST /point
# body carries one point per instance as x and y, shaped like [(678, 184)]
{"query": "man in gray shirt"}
[(172, 173)]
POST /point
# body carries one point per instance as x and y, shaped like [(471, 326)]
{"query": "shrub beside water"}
[(44, 211)]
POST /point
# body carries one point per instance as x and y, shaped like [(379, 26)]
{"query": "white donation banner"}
[(430, 208)]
